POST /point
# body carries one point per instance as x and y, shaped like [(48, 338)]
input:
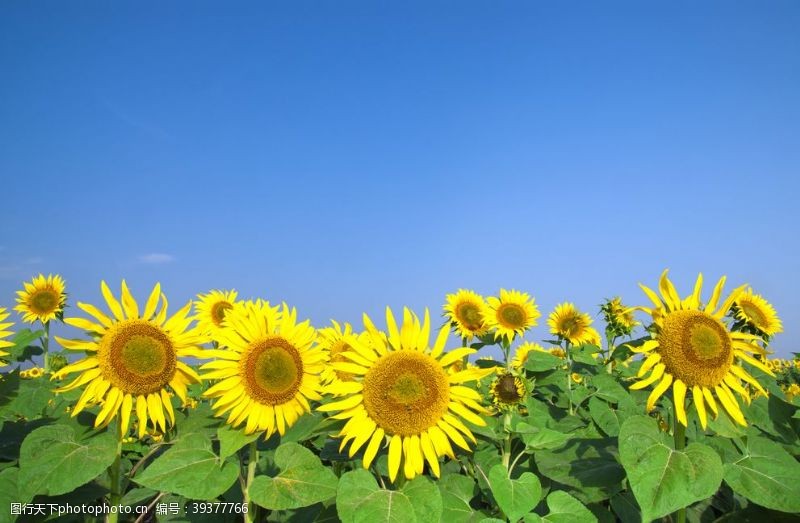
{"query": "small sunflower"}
[(132, 357), (508, 390), (511, 314), (521, 354), (403, 394), (568, 323), (466, 311), (4, 334), (210, 310), (336, 341), (42, 299), (268, 370), (619, 318), (693, 350), (757, 312)]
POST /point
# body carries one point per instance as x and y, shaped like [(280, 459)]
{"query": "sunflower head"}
[(267, 368), (336, 341), (508, 390), (403, 395), (568, 323), (466, 311), (753, 311), (691, 349), (521, 354), (42, 298), (511, 314), (133, 358), (619, 318), (210, 310), (4, 333)]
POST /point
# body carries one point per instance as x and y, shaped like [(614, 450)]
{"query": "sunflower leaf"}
[(563, 509), (515, 497), (360, 499)]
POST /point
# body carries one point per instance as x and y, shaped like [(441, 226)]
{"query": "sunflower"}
[(42, 299), (210, 310), (757, 312), (4, 334), (521, 354), (336, 341), (466, 311), (132, 357), (268, 370), (508, 390), (693, 350), (404, 395), (568, 323), (511, 314), (619, 318)]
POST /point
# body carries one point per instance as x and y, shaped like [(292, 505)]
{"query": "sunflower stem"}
[(46, 347), (507, 441), (679, 434), (252, 508), (115, 475), (569, 376)]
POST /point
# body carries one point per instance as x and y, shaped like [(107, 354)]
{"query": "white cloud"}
[(156, 257)]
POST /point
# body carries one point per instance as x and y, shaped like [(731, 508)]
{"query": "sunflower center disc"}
[(272, 370), (406, 392), (512, 316), (218, 311), (507, 389), (695, 347), (469, 315), (44, 301), (137, 357), (754, 313)]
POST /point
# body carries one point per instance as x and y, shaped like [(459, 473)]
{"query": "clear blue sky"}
[(345, 156)]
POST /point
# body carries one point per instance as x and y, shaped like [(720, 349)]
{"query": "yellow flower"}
[(693, 350), (403, 394), (210, 310), (466, 310), (618, 317), (132, 357), (577, 378), (521, 354), (336, 341), (757, 312), (511, 314), (791, 392), (508, 390), (4, 333), (42, 299), (567, 322), (268, 369)]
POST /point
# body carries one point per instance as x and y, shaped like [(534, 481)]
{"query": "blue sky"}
[(348, 156)]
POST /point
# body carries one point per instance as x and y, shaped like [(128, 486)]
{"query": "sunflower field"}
[(225, 409)]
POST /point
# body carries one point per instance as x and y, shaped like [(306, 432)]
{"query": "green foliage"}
[(360, 499), (515, 497), (563, 508)]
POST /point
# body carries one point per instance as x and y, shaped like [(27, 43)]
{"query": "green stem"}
[(46, 347), (679, 433), (609, 362), (114, 473), (507, 441), (569, 376), (250, 517)]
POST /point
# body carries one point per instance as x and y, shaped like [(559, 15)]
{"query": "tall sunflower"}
[(41, 299), (133, 359), (403, 394), (692, 350), (336, 341), (268, 370), (755, 311), (4, 334), (466, 311), (511, 314), (568, 323), (210, 310)]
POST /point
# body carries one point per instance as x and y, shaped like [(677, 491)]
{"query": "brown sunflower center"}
[(218, 311), (754, 313), (469, 315), (571, 325), (406, 392), (272, 371), (511, 316), (44, 301), (137, 357), (507, 389), (695, 347)]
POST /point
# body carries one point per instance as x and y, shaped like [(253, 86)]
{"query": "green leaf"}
[(766, 474), (563, 509), (457, 492), (585, 354), (9, 493), (231, 440), (588, 465), (21, 398), (22, 351), (539, 361), (663, 479), (359, 499), (191, 469), (55, 460), (604, 416), (609, 389), (302, 480), (515, 497), (425, 499), (540, 438)]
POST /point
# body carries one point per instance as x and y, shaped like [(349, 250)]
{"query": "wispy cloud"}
[(156, 257)]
